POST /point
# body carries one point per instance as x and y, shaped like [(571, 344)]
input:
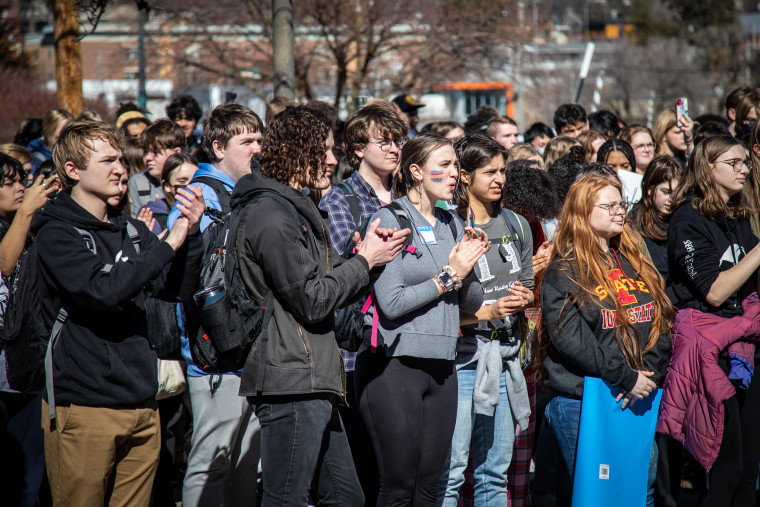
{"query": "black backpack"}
[(349, 320), (225, 320), (28, 344)]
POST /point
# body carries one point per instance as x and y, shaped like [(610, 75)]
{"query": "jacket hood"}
[(257, 181), (209, 170), (66, 209), (39, 145)]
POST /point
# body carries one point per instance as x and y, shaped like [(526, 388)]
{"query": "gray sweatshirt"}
[(414, 320)]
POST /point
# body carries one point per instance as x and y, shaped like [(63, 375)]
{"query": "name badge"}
[(427, 235)]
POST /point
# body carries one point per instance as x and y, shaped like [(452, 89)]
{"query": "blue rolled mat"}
[(614, 445)]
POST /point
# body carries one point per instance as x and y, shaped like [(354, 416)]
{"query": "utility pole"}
[(283, 48), (68, 55), (142, 99)]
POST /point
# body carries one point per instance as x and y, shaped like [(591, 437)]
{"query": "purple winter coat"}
[(695, 387)]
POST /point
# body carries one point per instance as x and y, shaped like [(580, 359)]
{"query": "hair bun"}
[(577, 154)]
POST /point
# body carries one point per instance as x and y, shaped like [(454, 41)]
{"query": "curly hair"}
[(530, 192), (565, 171), (295, 146)]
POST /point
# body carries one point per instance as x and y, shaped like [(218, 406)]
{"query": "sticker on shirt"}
[(427, 235), (507, 251)]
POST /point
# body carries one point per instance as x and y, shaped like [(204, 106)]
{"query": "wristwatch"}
[(454, 277), (445, 281)]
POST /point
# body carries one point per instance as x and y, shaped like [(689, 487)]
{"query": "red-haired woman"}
[(593, 285)]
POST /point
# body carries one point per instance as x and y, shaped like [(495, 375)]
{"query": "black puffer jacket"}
[(309, 280)]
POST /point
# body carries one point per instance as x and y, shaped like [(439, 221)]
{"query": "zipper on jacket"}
[(344, 376), (303, 339), (324, 234)]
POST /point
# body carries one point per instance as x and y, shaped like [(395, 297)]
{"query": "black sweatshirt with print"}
[(583, 341), (699, 249)]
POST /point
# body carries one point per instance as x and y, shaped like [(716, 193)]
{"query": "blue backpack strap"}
[(353, 201)]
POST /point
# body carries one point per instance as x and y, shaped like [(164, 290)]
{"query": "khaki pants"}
[(101, 456)]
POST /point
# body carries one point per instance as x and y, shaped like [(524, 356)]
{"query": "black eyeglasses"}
[(736, 163), (385, 144), (613, 208)]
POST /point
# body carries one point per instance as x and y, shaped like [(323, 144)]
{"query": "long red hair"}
[(576, 243)]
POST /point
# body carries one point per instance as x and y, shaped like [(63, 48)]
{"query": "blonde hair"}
[(558, 148), (75, 145), (51, 122), (665, 121)]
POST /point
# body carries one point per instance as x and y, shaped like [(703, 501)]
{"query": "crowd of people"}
[(496, 272)]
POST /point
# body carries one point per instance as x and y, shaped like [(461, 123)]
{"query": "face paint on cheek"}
[(436, 175)]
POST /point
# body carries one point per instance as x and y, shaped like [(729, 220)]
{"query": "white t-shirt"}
[(631, 185)]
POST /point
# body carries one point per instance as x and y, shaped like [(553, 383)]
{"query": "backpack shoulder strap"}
[(219, 189), (60, 320), (353, 201), (514, 224), (143, 185), (404, 222), (134, 235)]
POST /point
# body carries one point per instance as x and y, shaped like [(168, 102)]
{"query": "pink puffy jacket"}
[(696, 386)]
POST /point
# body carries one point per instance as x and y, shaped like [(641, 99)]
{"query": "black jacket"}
[(583, 339), (103, 357), (309, 280), (699, 249)]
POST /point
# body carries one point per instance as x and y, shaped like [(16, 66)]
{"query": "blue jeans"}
[(303, 447), (564, 416), (492, 439)]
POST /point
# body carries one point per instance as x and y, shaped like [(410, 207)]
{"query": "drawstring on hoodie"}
[(635, 286)]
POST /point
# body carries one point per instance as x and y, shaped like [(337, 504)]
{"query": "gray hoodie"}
[(414, 320)]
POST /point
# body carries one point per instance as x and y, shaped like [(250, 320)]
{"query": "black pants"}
[(733, 476), (359, 441), (409, 407), (304, 450)]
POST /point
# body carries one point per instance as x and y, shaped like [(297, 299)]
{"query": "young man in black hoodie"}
[(303, 443), (102, 446)]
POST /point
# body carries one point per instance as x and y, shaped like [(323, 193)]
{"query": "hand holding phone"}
[(682, 109)]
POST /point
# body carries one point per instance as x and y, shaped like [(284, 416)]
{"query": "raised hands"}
[(380, 245), (466, 253), (38, 194), (541, 259)]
